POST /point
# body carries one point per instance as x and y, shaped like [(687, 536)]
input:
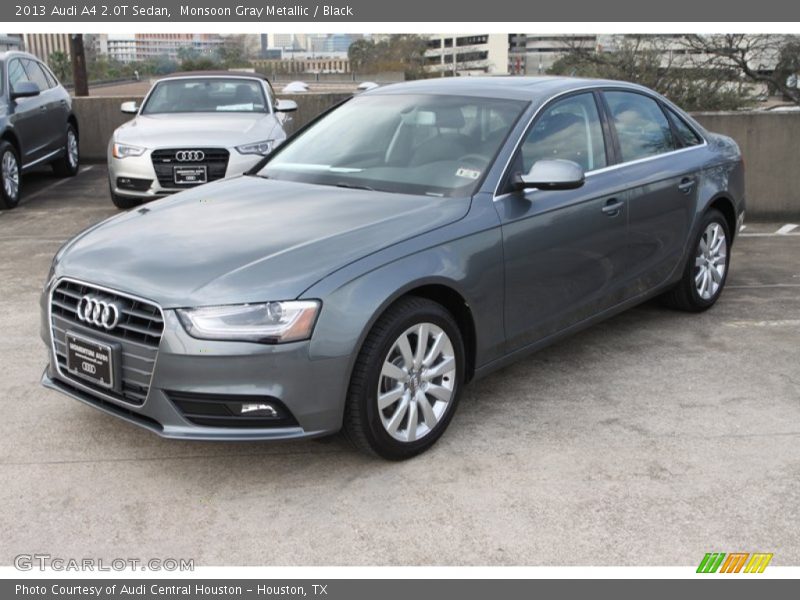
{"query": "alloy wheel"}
[(10, 170), (711, 261), (72, 148), (417, 382)]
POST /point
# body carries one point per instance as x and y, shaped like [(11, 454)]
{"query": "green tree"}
[(61, 65), (401, 52), (360, 54)]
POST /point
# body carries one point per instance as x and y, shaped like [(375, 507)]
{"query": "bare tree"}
[(658, 62), (771, 60)]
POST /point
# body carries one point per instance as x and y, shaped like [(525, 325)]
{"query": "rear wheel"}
[(67, 165), (407, 380), (10, 180), (707, 268)]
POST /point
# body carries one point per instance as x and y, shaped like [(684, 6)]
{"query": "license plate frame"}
[(92, 360), (195, 175)]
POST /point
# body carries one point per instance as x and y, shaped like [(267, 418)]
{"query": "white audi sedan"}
[(191, 129)]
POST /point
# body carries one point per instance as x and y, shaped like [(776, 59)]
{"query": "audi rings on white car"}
[(191, 129)]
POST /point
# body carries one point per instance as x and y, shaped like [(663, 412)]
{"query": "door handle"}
[(686, 185), (43, 108), (612, 207)]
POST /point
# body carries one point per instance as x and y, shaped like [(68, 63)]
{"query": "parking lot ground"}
[(650, 439)]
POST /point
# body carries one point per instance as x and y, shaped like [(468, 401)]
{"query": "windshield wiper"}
[(354, 186)]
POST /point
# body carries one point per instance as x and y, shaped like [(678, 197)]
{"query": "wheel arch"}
[(455, 303), (443, 291), (11, 137), (73, 120), (724, 204)]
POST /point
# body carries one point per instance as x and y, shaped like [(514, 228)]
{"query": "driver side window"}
[(569, 129), (16, 73)]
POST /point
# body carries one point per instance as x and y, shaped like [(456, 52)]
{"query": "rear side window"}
[(36, 75), (642, 128), (686, 135), (51, 79), (570, 129)]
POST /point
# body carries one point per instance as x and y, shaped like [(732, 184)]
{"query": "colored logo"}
[(735, 562)]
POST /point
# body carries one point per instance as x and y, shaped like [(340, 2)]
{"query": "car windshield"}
[(216, 94), (415, 144)]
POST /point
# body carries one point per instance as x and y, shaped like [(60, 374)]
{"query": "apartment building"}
[(465, 55), (42, 45)]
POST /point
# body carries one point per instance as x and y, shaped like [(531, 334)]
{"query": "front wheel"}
[(407, 380), (123, 202), (707, 268)]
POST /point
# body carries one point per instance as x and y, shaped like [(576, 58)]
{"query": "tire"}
[(123, 202), (68, 165), (369, 427), (696, 291), (10, 176)]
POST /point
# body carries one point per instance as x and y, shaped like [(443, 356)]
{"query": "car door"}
[(25, 114), (564, 250), (52, 108), (662, 186)]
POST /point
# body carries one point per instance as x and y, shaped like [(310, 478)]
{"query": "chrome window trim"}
[(71, 381), (645, 159), (591, 88)]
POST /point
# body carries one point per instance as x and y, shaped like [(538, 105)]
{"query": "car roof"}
[(18, 54), (201, 74), (521, 88)]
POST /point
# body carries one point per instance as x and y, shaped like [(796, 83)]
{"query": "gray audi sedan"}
[(415, 238)]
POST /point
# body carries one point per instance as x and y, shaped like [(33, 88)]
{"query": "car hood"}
[(246, 239), (206, 129)]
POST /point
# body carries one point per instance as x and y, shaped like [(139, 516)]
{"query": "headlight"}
[(126, 150), (262, 148), (272, 322)]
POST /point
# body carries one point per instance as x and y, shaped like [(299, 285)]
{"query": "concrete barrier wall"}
[(770, 143)]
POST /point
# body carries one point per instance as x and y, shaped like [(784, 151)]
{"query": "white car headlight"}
[(271, 322), (261, 148), (126, 150)]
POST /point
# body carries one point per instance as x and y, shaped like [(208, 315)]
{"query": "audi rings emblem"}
[(190, 155), (96, 311)]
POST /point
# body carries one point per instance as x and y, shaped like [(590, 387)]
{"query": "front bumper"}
[(140, 169), (312, 391)]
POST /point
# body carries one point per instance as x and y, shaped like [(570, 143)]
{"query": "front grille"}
[(215, 161), (138, 333)]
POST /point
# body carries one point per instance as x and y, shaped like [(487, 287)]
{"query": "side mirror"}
[(24, 89), (129, 108), (285, 106), (555, 174)]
